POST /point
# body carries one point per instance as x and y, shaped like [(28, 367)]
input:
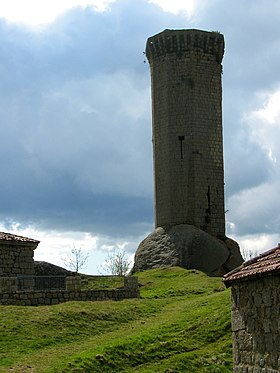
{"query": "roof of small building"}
[(264, 264), (8, 237)]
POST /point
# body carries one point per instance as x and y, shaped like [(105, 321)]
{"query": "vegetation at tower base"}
[(180, 324)]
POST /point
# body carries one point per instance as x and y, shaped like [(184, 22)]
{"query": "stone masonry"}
[(16, 255), (188, 155), (255, 294), (18, 278), (255, 325), (187, 128), (9, 295)]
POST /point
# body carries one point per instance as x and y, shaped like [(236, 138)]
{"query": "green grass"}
[(101, 282), (180, 324)]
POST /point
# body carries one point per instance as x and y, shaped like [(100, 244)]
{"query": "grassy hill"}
[(180, 324)]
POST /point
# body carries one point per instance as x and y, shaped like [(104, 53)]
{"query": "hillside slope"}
[(180, 324)]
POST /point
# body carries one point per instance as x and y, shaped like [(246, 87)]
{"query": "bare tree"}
[(77, 260), (117, 263), (249, 254)]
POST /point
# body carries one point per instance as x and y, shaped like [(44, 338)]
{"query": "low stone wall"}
[(72, 293), (256, 326)]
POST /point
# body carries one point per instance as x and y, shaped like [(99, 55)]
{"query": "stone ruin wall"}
[(187, 128), (17, 265), (10, 296), (16, 259), (256, 325)]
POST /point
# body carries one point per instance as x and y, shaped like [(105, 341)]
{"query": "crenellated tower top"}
[(184, 41)]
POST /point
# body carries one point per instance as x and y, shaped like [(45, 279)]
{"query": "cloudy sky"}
[(75, 120)]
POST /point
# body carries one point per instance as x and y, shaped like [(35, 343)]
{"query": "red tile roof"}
[(14, 238), (264, 264)]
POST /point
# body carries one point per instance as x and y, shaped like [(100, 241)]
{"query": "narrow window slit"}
[(208, 210), (181, 139)]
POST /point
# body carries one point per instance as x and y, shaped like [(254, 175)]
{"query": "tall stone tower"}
[(188, 155), (187, 128)]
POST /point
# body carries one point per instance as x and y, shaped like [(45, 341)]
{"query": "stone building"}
[(255, 292), (16, 255), (24, 282), (188, 155)]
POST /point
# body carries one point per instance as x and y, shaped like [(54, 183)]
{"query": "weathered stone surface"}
[(235, 257), (187, 128), (38, 298), (16, 258), (255, 317), (188, 247), (188, 155)]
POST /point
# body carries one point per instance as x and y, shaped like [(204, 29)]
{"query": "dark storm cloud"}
[(75, 134), (75, 121)]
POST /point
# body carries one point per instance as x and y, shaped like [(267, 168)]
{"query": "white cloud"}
[(176, 6), (54, 245), (253, 245), (35, 12), (256, 208), (264, 124), (271, 108)]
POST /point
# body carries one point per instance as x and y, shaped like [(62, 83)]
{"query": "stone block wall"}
[(72, 293), (16, 259), (187, 128), (73, 283), (256, 325), (8, 284)]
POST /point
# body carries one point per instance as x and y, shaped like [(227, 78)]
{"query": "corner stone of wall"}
[(131, 282), (16, 259), (73, 283)]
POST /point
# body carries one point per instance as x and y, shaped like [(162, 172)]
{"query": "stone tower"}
[(188, 155), (187, 128)]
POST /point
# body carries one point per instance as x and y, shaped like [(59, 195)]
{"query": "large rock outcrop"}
[(188, 247), (48, 269)]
